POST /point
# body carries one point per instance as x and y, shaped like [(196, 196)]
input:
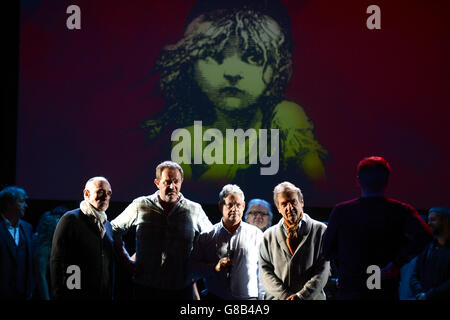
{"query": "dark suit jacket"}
[(432, 272), (8, 262), (77, 241)]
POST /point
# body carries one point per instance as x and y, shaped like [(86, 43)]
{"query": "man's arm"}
[(198, 265), (204, 224), (41, 261), (320, 269), (58, 259), (330, 237), (416, 285), (120, 225), (270, 281), (261, 290), (417, 234), (316, 284), (439, 291)]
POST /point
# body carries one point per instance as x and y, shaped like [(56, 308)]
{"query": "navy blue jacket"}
[(9, 276)]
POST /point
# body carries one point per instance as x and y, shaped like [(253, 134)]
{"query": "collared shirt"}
[(243, 248), (164, 240), (14, 231)]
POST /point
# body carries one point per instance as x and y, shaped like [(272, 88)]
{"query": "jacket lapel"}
[(4, 233), (304, 231), (26, 240), (281, 237)]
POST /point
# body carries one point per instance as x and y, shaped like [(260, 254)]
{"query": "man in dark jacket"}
[(371, 237), (16, 269), (431, 276), (82, 261)]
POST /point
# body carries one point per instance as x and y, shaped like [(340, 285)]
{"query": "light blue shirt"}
[(244, 281), (14, 231)]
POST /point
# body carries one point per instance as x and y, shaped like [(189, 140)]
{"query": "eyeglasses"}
[(255, 213), (233, 204)]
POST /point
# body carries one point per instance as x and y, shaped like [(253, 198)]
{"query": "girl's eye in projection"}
[(253, 57), (216, 57)]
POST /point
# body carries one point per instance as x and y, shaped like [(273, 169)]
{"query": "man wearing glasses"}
[(227, 256), (259, 213)]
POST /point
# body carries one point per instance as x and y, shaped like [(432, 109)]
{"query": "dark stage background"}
[(73, 99)]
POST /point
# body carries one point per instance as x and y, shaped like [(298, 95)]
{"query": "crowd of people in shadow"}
[(370, 248)]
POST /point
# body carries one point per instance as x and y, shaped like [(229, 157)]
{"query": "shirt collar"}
[(155, 198), (237, 230), (8, 223)]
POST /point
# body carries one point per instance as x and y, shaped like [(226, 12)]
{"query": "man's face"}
[(233, 80), (290, 207), (18, 206), (232, 209), (98, 194), (169, 185), (435, 223), (258, 215)]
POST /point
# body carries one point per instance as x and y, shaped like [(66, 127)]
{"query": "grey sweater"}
[(305, 273)]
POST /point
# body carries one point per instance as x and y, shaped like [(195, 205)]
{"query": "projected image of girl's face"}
[(230, 70), (234, 78)]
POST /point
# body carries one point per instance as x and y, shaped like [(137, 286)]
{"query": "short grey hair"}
[(287, 188), (230, 189), (86, 186), (168, 165)]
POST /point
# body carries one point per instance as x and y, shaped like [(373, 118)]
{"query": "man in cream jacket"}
[(291, 265)]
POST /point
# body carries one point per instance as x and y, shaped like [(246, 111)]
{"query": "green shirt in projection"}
[(224, 84)]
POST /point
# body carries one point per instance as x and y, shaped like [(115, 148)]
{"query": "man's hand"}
[(293, 297), (127, 261), (421, 296), (223, 263), (130, 265)]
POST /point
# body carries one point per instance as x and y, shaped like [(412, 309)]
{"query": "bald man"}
[(82, 262)]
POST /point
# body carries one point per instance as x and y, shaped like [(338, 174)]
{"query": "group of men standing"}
[(177, 245)]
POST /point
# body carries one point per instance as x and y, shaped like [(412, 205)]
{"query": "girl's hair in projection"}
[(262, 42)]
